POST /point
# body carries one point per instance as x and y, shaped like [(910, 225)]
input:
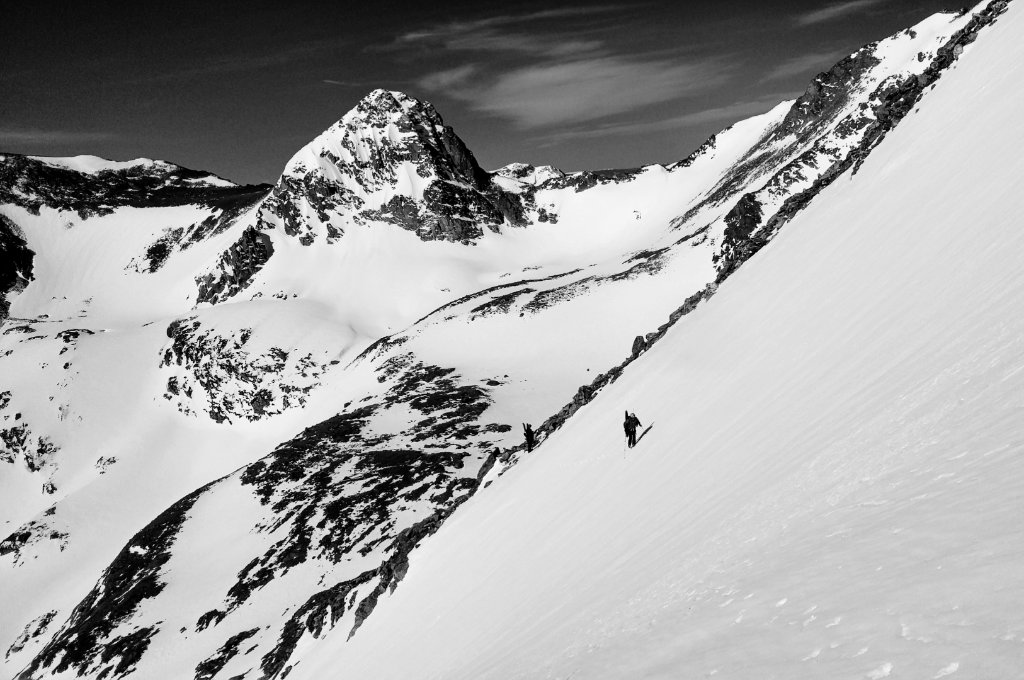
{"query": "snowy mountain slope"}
[(395, 440), (830, 487)]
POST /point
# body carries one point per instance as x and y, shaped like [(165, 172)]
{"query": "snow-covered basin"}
[(832, 484)]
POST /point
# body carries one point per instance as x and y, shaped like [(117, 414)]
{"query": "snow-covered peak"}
[(385, 130), (383, 102), (390, 159), (93, 164), (524, 173)]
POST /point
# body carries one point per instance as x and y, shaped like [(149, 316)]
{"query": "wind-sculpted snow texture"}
[(302, 383), (830, 485)]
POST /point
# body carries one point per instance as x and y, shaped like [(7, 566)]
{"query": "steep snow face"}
[(830, 483), (182, 374), (842, 115), (98, 233)]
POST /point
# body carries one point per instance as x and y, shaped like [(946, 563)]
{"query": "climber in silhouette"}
[(528, 434), (629, 425)]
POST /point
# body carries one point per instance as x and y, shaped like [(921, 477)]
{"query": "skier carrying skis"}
[(528, 434), (629, 425)]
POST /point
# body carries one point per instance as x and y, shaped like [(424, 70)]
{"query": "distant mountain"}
[(229, 415)]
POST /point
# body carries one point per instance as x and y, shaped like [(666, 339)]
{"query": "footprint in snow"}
[(948, 670)]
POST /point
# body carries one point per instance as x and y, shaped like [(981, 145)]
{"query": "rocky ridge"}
[(33, 183), (345, 502), (856, 128)]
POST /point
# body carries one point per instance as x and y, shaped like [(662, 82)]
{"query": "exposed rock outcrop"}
[(391, 159), (757, 217), (32, 183), (236, 267), (221, 376), (88, 641), (15, 264)]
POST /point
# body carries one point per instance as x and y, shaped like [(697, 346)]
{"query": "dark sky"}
[(236, 88)]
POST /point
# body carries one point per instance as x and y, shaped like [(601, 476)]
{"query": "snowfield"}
[(271, 432), (831, 483)]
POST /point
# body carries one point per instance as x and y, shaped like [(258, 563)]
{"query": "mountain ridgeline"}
[(286, 389)]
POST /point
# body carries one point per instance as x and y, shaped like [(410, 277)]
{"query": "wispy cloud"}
[(456, 79), (550, 76), (491, 33), (581, 89), (804, 64), (833, 12), (509, 33), (343, 83), (241, 63), (38, 137), (725, 115), (492, 41)]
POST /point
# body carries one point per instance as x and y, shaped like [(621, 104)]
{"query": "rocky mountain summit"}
[(391, 159), (286, 390)]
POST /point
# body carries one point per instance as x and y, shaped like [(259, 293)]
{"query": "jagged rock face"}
[(828, 92), (15, 263), (218, 376), (391, 159), (845, 132), (236, 266), (739, 244)]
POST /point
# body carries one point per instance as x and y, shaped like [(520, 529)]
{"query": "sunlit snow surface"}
[(831, 486), (837, 423)]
